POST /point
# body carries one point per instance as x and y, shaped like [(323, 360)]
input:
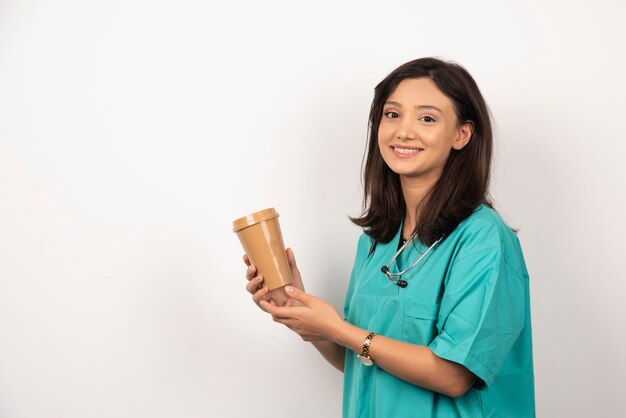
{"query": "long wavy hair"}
[(464, 183)]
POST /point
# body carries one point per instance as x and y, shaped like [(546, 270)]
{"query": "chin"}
[(404, 171)]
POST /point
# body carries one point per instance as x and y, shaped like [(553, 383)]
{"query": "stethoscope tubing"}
[(390, 275)]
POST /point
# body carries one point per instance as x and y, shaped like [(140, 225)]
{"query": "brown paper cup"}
[(261, 239)]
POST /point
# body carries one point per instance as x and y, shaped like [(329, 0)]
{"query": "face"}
[(418, 130)]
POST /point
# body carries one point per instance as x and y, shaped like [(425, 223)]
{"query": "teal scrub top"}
[(468, 301)]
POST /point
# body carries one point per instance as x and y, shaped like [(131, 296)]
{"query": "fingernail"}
[(289, 289)]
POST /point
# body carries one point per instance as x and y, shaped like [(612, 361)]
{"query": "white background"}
[(133, 132)]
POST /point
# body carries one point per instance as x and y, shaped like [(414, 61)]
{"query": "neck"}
[(414, 190)]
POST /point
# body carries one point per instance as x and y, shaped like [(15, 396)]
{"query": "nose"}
[(405, 130)]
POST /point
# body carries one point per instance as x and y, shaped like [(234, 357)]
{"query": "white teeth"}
[(406, 151)]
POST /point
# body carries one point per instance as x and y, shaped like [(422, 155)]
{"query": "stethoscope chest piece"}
[(392, 276), (400, 283)]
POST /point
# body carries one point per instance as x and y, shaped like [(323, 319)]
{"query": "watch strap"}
[(365, 357)]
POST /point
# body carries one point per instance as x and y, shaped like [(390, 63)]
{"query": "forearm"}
[(332, 352), (316, 320), (410, 362)]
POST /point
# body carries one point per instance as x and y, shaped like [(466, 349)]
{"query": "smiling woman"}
[(436, 108), (449, 334), (416, 139)]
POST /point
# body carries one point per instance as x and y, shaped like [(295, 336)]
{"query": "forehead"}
[(420, 92)]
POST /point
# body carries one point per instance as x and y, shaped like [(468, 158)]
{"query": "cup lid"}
[(254, 218)]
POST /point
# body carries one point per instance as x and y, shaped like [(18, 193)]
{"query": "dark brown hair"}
[(464, 183)]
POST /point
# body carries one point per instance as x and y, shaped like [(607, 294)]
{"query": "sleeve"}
[(481, 313), (362, 250)]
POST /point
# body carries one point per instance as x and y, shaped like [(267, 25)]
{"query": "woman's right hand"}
[(256, 285)]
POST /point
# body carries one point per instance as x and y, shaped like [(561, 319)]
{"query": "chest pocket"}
[(376, 313), (419, 322)]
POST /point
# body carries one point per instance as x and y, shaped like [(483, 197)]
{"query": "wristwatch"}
[(365, 357)]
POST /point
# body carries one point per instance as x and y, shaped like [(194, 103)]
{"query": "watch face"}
[(367, 361)]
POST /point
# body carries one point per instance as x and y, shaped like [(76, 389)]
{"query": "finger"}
[(282, 313), (251, 272), (260, 295), (246, 259), (299, 295), (293, 268), (274, 310), (254, 284), (291, 257), (293, 265), (291, 302), (288, 322), (267, 307)]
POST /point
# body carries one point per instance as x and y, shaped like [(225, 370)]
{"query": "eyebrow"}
[(391, 102)]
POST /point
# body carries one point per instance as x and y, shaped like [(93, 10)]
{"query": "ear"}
[(464, 135)]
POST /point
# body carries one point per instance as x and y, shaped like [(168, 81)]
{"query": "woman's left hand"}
[(314, 319)]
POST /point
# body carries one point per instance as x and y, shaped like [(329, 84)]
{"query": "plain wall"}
[(133, 132)]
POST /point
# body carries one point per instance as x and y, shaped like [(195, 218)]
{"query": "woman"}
[(437, 318)]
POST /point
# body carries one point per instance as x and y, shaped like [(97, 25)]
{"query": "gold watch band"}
[(365, 357)]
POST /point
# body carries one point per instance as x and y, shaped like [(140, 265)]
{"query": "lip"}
[(404, 154)]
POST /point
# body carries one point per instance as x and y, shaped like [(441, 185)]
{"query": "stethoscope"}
[(385, 269)]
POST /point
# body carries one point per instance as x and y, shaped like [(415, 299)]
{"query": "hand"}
[(255, 283), (296, 279), (277, 296), (314, 319)]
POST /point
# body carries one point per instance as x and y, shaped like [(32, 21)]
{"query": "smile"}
[(405, 151)]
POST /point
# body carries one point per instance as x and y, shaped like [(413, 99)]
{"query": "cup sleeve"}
[(481, 314)]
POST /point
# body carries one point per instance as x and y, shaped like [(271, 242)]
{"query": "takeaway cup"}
[(260, 236)]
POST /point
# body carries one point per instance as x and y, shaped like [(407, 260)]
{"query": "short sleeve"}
[(481, 313)]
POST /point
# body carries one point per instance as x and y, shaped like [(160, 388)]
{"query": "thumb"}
[(299, 295), (291, 257)]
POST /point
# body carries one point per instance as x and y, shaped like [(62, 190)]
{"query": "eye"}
[(428, 119), (391, 114)]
